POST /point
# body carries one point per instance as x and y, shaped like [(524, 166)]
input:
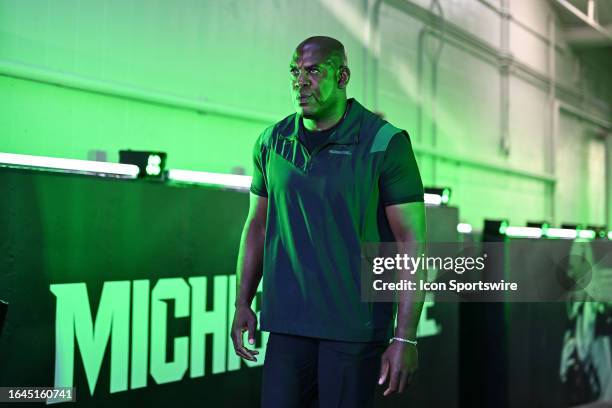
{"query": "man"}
[(327, 179)]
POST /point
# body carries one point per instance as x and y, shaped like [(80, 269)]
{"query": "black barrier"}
[(541, 354), (3, 311), (482, 361), (559, 354), (124, 290)]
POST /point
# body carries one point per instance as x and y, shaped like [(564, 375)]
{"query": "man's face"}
[(314, 82)]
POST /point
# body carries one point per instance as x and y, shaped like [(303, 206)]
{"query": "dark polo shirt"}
[(322, 204)]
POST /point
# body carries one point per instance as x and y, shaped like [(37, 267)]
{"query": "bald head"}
[(319, 76), (327, 48)]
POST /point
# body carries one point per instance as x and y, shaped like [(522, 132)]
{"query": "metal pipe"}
[(22, 71), (579, 113), (479, 48), (435, 58), (419, 82), (483, 164), (372, 48), (553, 116), (591, 10), (504, 80), (81, 83), (524, 26), (608, 187), (435, 153)]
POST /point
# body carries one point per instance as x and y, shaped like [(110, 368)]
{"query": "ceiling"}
[(591, 40), (603, 10), (582, 31)]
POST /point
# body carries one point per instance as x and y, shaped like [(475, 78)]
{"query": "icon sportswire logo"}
[(346, 152)]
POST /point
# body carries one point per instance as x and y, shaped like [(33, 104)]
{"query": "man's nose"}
[(302, 80)]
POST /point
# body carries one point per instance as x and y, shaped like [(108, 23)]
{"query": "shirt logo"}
[(346, 152)]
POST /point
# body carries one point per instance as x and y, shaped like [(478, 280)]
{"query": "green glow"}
[(161, 370), (202, 177), (586, 234), (154, 160), (68, 165), (204, 322), (74, 319), (502, 227), (445, 196), (560, 233), (464, 228), (153, 170), (610, 235), (523, 232), (153, 165)]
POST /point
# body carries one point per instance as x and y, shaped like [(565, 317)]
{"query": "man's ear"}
[(344, 77)]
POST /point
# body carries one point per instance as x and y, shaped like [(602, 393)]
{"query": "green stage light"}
[(601, 231), (464, 228), (523, 232), (56, 164), (446, 195), (503, 226), (154, 165), (151, 164), (432, 199), (437, 196), (563, 233), (586, 234), (206, 178)]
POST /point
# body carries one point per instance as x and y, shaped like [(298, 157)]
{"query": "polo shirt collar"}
[(346, 133)]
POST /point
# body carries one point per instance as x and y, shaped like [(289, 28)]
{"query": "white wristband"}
[(413, 342)]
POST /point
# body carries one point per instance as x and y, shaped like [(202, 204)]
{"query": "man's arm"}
[(248, 275), (400, 360)]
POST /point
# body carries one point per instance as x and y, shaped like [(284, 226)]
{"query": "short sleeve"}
[(400, 180), (258, 183)]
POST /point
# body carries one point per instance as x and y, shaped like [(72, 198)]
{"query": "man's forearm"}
[(410, 303), (407, 221), (250, 262)]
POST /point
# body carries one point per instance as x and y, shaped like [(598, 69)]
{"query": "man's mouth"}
[(303, 98)]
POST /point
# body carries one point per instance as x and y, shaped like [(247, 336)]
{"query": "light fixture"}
[(523, 232), (563, 233), (151, 164), (154, 165), (464, 228), (55, 164), (586, 234), (432, 199), (206, 178), (494, 228), (437, 195)]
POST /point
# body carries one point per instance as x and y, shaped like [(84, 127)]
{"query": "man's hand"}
[(398, 364), (244, 319)]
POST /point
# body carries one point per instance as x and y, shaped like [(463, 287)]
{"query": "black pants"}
[(305, 372)]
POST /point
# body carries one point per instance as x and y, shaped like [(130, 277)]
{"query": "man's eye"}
[(314, 70), (293, 72)]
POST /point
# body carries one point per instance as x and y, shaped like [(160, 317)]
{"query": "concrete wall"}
[(201, 79)]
